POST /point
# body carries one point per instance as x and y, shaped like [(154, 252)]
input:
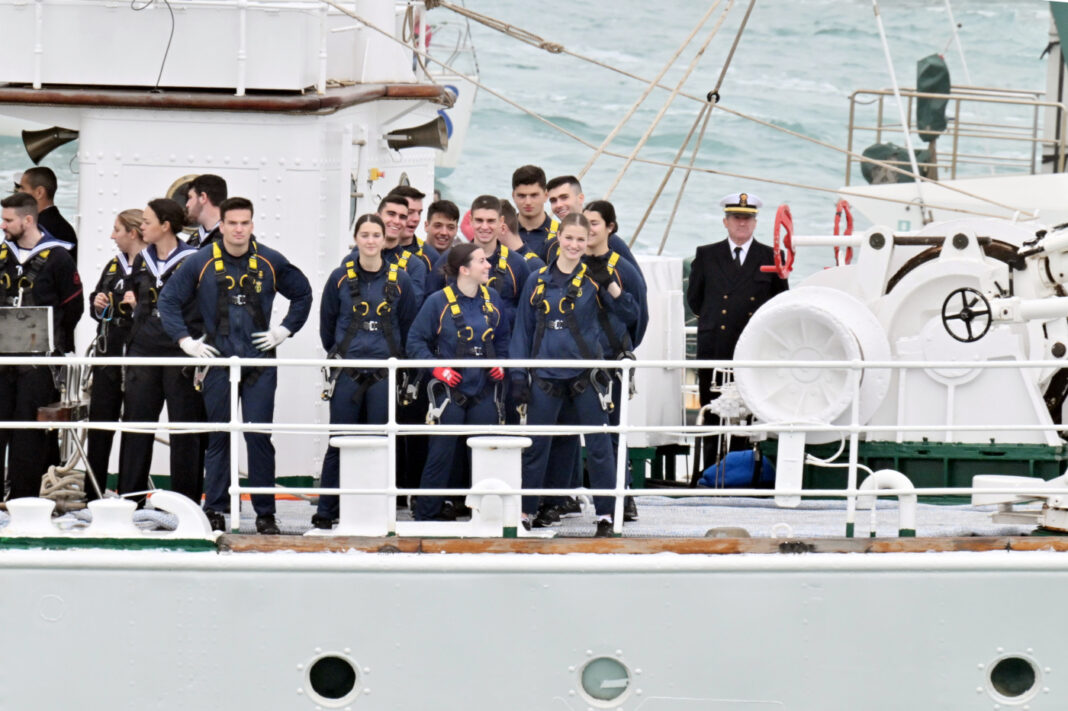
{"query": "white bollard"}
[(113, 518), (31, 518), (497, 460), (364, 464)]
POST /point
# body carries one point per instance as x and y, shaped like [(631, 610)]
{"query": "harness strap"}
[(566, 308), (250, 286), (618, 345), (465, 335)]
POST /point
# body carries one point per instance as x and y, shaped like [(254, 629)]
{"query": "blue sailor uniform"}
[(361, 396), (229, 320), (148, 387), (547, 327), (112, 333), (476, 328), (46, 276)]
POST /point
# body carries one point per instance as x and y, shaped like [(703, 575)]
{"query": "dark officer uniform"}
[(112, 334), (362, 315), (48, 277), (148, 387), (234, 296), (558, 319), (724, 295), (452, 325)]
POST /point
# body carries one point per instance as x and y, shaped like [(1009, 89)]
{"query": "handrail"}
[(1027, 133), (235, 427)]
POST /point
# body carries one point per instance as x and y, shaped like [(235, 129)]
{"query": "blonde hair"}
[(131, 220)]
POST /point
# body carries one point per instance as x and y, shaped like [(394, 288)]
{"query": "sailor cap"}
[(741, 203)]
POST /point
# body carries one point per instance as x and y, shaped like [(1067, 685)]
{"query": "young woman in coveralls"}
[(463, 320), (558, 319), (366, 310), (114, 319)]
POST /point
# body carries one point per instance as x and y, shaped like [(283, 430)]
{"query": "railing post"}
[(391, 435), (324, 34), (621, 453), (235, 443), (242, 46), (38, 42), (854, 441)]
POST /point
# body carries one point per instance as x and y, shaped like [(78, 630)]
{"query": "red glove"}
[(497, 374), (448, 376)]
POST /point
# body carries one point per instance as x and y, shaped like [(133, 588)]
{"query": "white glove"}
[(197, 348), (271, 339)]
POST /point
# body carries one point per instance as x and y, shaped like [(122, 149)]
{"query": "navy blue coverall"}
[(437, 334), (196, 280), (547, 327), (360, 396)]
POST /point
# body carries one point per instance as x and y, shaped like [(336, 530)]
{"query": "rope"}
[(710, 171), (667, 103), (65, 486), (648, 90), (714, 94)]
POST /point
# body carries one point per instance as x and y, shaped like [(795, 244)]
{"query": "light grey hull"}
[(151, 630)]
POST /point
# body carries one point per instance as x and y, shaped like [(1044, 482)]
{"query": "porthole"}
[(1013, 679), (605, 682), (332, 680)]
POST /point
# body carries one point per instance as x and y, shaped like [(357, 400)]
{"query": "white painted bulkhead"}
[(300, 172)]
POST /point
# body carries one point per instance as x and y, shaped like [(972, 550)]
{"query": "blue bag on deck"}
[(736, 470)]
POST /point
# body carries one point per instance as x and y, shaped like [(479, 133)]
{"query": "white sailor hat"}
[(741, 203)]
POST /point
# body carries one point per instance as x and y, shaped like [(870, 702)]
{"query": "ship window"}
[(332, 680), (605, 681), (1013, 677)]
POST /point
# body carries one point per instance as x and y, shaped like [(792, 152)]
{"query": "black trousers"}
[(412, 449), (105, 405), (28, 452), (147, 388)]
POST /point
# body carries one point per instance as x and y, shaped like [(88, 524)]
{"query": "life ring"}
[(843, 207), (785, 222), (465, 227)]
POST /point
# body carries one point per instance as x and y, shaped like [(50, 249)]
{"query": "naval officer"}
[(727, 287)]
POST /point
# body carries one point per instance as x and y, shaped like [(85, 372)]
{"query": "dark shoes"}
[(323, 523), (630, 509), (569, 508), (451, 511), (216, 519), (604, 529), (546, 517), (267, 526)]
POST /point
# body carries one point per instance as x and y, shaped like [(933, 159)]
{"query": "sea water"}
[(795, 66)]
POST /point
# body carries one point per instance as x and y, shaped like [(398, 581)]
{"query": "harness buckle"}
[(372, 326), (602, 385), (238, 299), (433, 412), (556, 324)]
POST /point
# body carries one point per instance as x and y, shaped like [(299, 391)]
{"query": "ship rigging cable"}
[(556, 48), (650, 85), (713, 98), (667, 164)]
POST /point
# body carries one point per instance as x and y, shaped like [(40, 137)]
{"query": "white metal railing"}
[(852, 430)]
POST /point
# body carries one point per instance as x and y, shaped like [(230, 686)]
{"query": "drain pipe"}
[(890, 479)]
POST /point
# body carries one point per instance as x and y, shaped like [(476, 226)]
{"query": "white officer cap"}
[(741, 203)]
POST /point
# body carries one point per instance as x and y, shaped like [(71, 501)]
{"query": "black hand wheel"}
[(966, 314)]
